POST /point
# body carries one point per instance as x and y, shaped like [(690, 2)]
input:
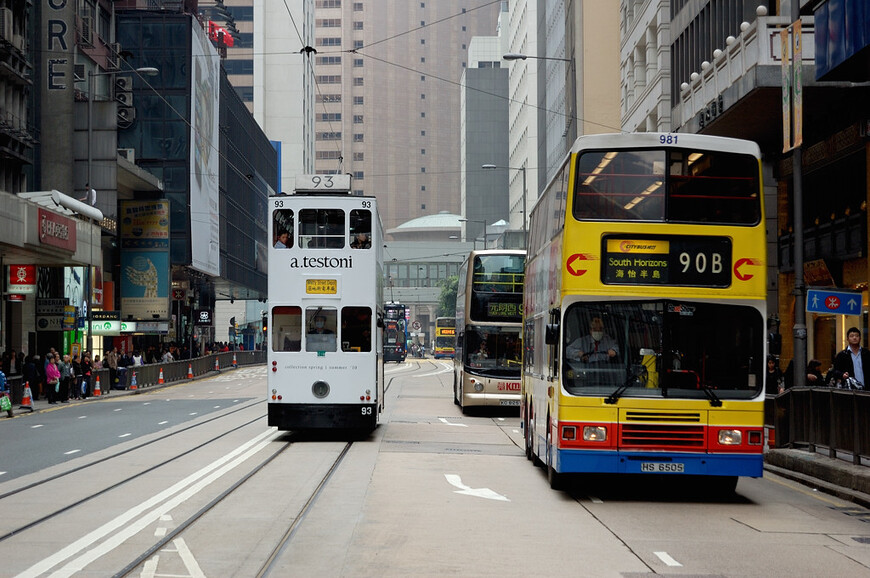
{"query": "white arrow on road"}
[(456, 481)]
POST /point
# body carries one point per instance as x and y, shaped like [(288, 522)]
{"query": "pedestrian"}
[(111, 362), (86, 375), (65, 369), (76, 383), (773, 379), (853, 361), (5, 398), (52, 380)]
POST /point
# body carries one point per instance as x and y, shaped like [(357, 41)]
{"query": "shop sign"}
[(22, 279), (57, 230), (203, 317)]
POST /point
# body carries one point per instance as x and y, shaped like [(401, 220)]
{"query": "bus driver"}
[(595, 347)]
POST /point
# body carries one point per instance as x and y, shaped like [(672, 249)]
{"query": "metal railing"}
[(824, 417), (149, 375)]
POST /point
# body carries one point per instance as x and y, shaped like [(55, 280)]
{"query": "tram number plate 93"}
[(321, 286), (661, 468)]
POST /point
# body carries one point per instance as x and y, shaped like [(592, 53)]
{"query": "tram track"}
[(78, 469)]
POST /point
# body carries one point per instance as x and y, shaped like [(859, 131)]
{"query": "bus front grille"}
[(661, 436)]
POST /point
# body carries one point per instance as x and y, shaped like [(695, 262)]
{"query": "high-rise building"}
[(387, 98)]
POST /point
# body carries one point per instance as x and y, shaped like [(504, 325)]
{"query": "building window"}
[(422, 133), (422, 23), (422, 151), (329, 136), (423, 188), (328, 23), (422, 115), (422, 78), (328, 117), (359, 100), (357, 6), (357, 119), (246, 93), (358, 192), (423, 206), (329, 79), (359, 175), (328, 98), (325, 4), (422, 59), (422, 169), (423, 96), (357, 43), (358, 81), (357, 25), (358, 137), (422, 41), (327, 155), (327, 60), (357, 62), (359, 156), (239, 66), (328, 41)]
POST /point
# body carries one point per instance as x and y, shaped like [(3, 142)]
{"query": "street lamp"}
[(569, 105), (143, 71), (475, 237), (523, 170)]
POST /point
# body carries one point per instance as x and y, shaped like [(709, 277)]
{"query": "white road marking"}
[(2, 473), (36, 426), (485, 493), (193, 413), (666, 558), (115, 532), (71, 452), (83, 417), (118, 409), (162, 422), (444, 420), (125, 435)]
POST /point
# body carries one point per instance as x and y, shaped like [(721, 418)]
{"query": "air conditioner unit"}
[(126, 116), (123, 83), (87, 32), (124, 98), (113, 58), (129, 154), (6, 24)]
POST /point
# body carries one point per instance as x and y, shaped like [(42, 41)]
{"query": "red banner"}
[(57, 230)]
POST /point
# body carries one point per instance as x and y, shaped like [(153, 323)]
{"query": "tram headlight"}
[(594, 433), (730, 437), (320, 389)]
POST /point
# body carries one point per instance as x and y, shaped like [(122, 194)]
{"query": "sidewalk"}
[(833, 476)]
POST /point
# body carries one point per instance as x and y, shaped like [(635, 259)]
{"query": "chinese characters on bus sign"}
[(673, 260), (321, 286), (497, 310)]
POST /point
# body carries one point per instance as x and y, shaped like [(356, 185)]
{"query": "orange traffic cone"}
[(133, 384), (160, 377), (189, 371), (235, 363), (27, 398), (97, 391), (217, 365)]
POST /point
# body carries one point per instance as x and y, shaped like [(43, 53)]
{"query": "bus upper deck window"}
[(282, 228), (360, 229)]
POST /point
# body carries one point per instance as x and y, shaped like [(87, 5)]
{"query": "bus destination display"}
[(674, 260)]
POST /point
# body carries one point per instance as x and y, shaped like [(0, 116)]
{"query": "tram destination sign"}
[(672, 260)]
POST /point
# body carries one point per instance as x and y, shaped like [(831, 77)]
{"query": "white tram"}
[(325, 300)]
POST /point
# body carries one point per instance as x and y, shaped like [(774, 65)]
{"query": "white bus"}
[(325, 301)]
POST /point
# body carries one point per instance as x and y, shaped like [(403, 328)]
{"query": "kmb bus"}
[(489, 316), (445, 337), (325, 300), (645, 313), (395, 332)]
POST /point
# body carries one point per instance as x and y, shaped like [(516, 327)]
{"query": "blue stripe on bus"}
[(581, 461)]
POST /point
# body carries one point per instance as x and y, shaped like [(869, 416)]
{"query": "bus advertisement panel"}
[(489, 314), (645, 304), (325, 267)]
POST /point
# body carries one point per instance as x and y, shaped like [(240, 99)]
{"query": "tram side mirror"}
[(551, 336), (380, 321)]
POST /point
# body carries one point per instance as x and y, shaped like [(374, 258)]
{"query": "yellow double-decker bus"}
[(645, 308), (445, 337)]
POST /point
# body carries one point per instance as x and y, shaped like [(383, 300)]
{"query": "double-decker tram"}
[(395, 332), (325, 300), (489, 315), (644, 327), (445, 338)]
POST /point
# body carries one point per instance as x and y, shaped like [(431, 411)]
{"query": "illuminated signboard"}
[(673, 260)]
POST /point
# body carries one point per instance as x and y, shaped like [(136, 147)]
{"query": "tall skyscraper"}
[(387, 98)]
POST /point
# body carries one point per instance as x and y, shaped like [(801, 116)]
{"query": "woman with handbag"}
[(52, 379), (5, 399)]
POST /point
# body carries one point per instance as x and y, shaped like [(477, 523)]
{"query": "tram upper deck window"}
[(286, 328), (360, 229), (321, 228), (668, 186), (282, 228)]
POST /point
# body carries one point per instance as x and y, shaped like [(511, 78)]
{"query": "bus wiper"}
[(714, 399), (614, 397)]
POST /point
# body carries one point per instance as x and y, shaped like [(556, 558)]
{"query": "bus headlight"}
[(320, 389), (730, 437), (594, 433)]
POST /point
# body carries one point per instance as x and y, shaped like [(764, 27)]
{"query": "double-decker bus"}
[(395, 332), (489, 316), (445, 337), (325, 299), (644, 304)]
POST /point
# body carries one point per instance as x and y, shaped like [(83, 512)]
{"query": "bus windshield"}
[(663, 348), (668, 185), (493, 350), (497, 288)]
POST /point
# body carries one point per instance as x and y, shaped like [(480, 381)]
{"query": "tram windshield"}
[(663, 349)]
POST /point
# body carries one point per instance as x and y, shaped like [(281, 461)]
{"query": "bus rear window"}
[(678, 186)]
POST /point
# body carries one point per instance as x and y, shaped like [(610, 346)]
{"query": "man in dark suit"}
[(854, 361)]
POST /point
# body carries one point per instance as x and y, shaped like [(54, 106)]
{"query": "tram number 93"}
[(700, 263), (366, 411)]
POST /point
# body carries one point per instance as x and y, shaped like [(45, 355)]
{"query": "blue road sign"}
[(836, 302)]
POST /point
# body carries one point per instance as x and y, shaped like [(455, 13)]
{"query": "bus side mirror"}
[(380, 321), (551, 336)]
